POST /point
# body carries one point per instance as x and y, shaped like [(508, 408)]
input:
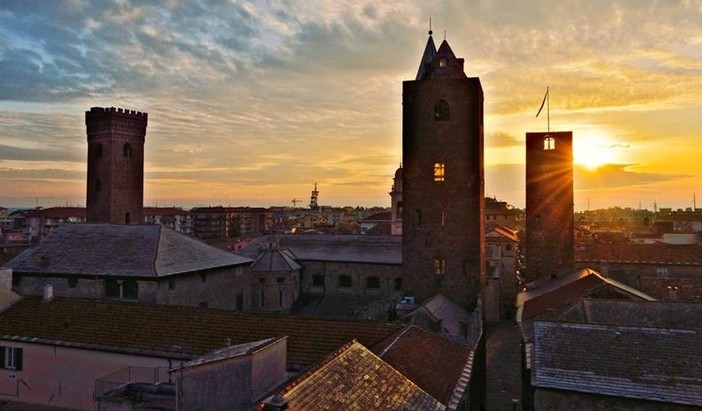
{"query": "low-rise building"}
[(146, 263)]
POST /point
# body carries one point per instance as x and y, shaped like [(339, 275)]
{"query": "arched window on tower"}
[(439, 172), (98, 150), (442, 111), (127, 150), (549, 143)]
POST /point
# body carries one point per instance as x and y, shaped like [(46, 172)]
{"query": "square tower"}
[(115, 184), (549, 203), (442, 187)]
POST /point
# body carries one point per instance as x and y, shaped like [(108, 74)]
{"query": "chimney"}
[(48, 293)]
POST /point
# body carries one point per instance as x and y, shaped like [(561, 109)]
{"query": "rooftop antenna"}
[(444, 35), (430, 31)]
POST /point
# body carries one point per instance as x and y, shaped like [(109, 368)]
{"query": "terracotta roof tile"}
[(353, 378), (193, 330), (431, 361)]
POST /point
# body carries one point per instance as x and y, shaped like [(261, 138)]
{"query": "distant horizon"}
[(252, 105)]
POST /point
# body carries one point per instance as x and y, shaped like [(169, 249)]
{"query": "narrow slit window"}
[(439, 172), (439, 266)]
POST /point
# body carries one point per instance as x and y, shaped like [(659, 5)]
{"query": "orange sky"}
[(250, 103)]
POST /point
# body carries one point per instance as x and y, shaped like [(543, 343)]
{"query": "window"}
[(318, 280), (127, 218), (443, 218), (98, 150), (418, 214), (398, 283), (508, 247), (11, 358), (662, 272), (72, 282), (344, 281), (439, 172), (127, 289), (98, 185), (281, 280), (263, 297), (171, 284), (281, 300), (442, 62), (439, 266), (203, 304), (240, 301), (372, 282), (442, 111), (127, 150), (549, 143), (16, 279), (203, 277)]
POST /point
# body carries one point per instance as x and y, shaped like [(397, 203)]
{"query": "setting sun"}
[(594, 150)]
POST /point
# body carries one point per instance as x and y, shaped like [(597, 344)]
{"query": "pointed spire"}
[(425, 65)]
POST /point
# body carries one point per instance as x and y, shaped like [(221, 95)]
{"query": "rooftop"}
[(120, 250), (355, 378), (439, 366), (176, 331), (653, 364), (377, 249)]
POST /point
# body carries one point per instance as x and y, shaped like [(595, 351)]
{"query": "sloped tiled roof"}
[(127, 326), (120, 250), (275, 260), (378, 249), (559, 293), (641, 253), (438, 366), (381, 217), (353, 378), (452, 316), (661, 314), (633, 362)]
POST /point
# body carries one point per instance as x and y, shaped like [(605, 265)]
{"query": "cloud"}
[(500, 139), (612, 176)]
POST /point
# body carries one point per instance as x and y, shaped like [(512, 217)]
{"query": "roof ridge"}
[(157, 251), (397, 338)]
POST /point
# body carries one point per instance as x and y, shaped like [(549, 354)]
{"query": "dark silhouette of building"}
[(442, 157), (115, 188), (549, 203)]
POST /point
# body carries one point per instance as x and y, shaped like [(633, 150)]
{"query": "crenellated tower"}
[(115, 184), (550, 243), (442, 158)]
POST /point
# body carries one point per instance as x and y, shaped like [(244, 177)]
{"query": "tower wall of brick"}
[(115, 182)]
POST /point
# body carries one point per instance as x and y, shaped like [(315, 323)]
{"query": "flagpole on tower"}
[(547, 102)]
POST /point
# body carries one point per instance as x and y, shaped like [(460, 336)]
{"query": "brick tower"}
[(549, 203), (115, 186), (442, 157)]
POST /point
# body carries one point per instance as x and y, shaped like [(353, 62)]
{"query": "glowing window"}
[(443, 218), (549, 143), (439, 266), (439, 172)]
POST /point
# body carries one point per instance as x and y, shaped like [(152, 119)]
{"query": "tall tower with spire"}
[(443, 200), (115, 186)]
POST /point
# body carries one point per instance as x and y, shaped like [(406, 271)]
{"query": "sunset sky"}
[(251, 102)]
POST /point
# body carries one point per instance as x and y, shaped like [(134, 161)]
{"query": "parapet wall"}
[(102, 120)]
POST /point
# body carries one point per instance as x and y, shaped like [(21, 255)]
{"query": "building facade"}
[(442, 187), (550, 243)]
